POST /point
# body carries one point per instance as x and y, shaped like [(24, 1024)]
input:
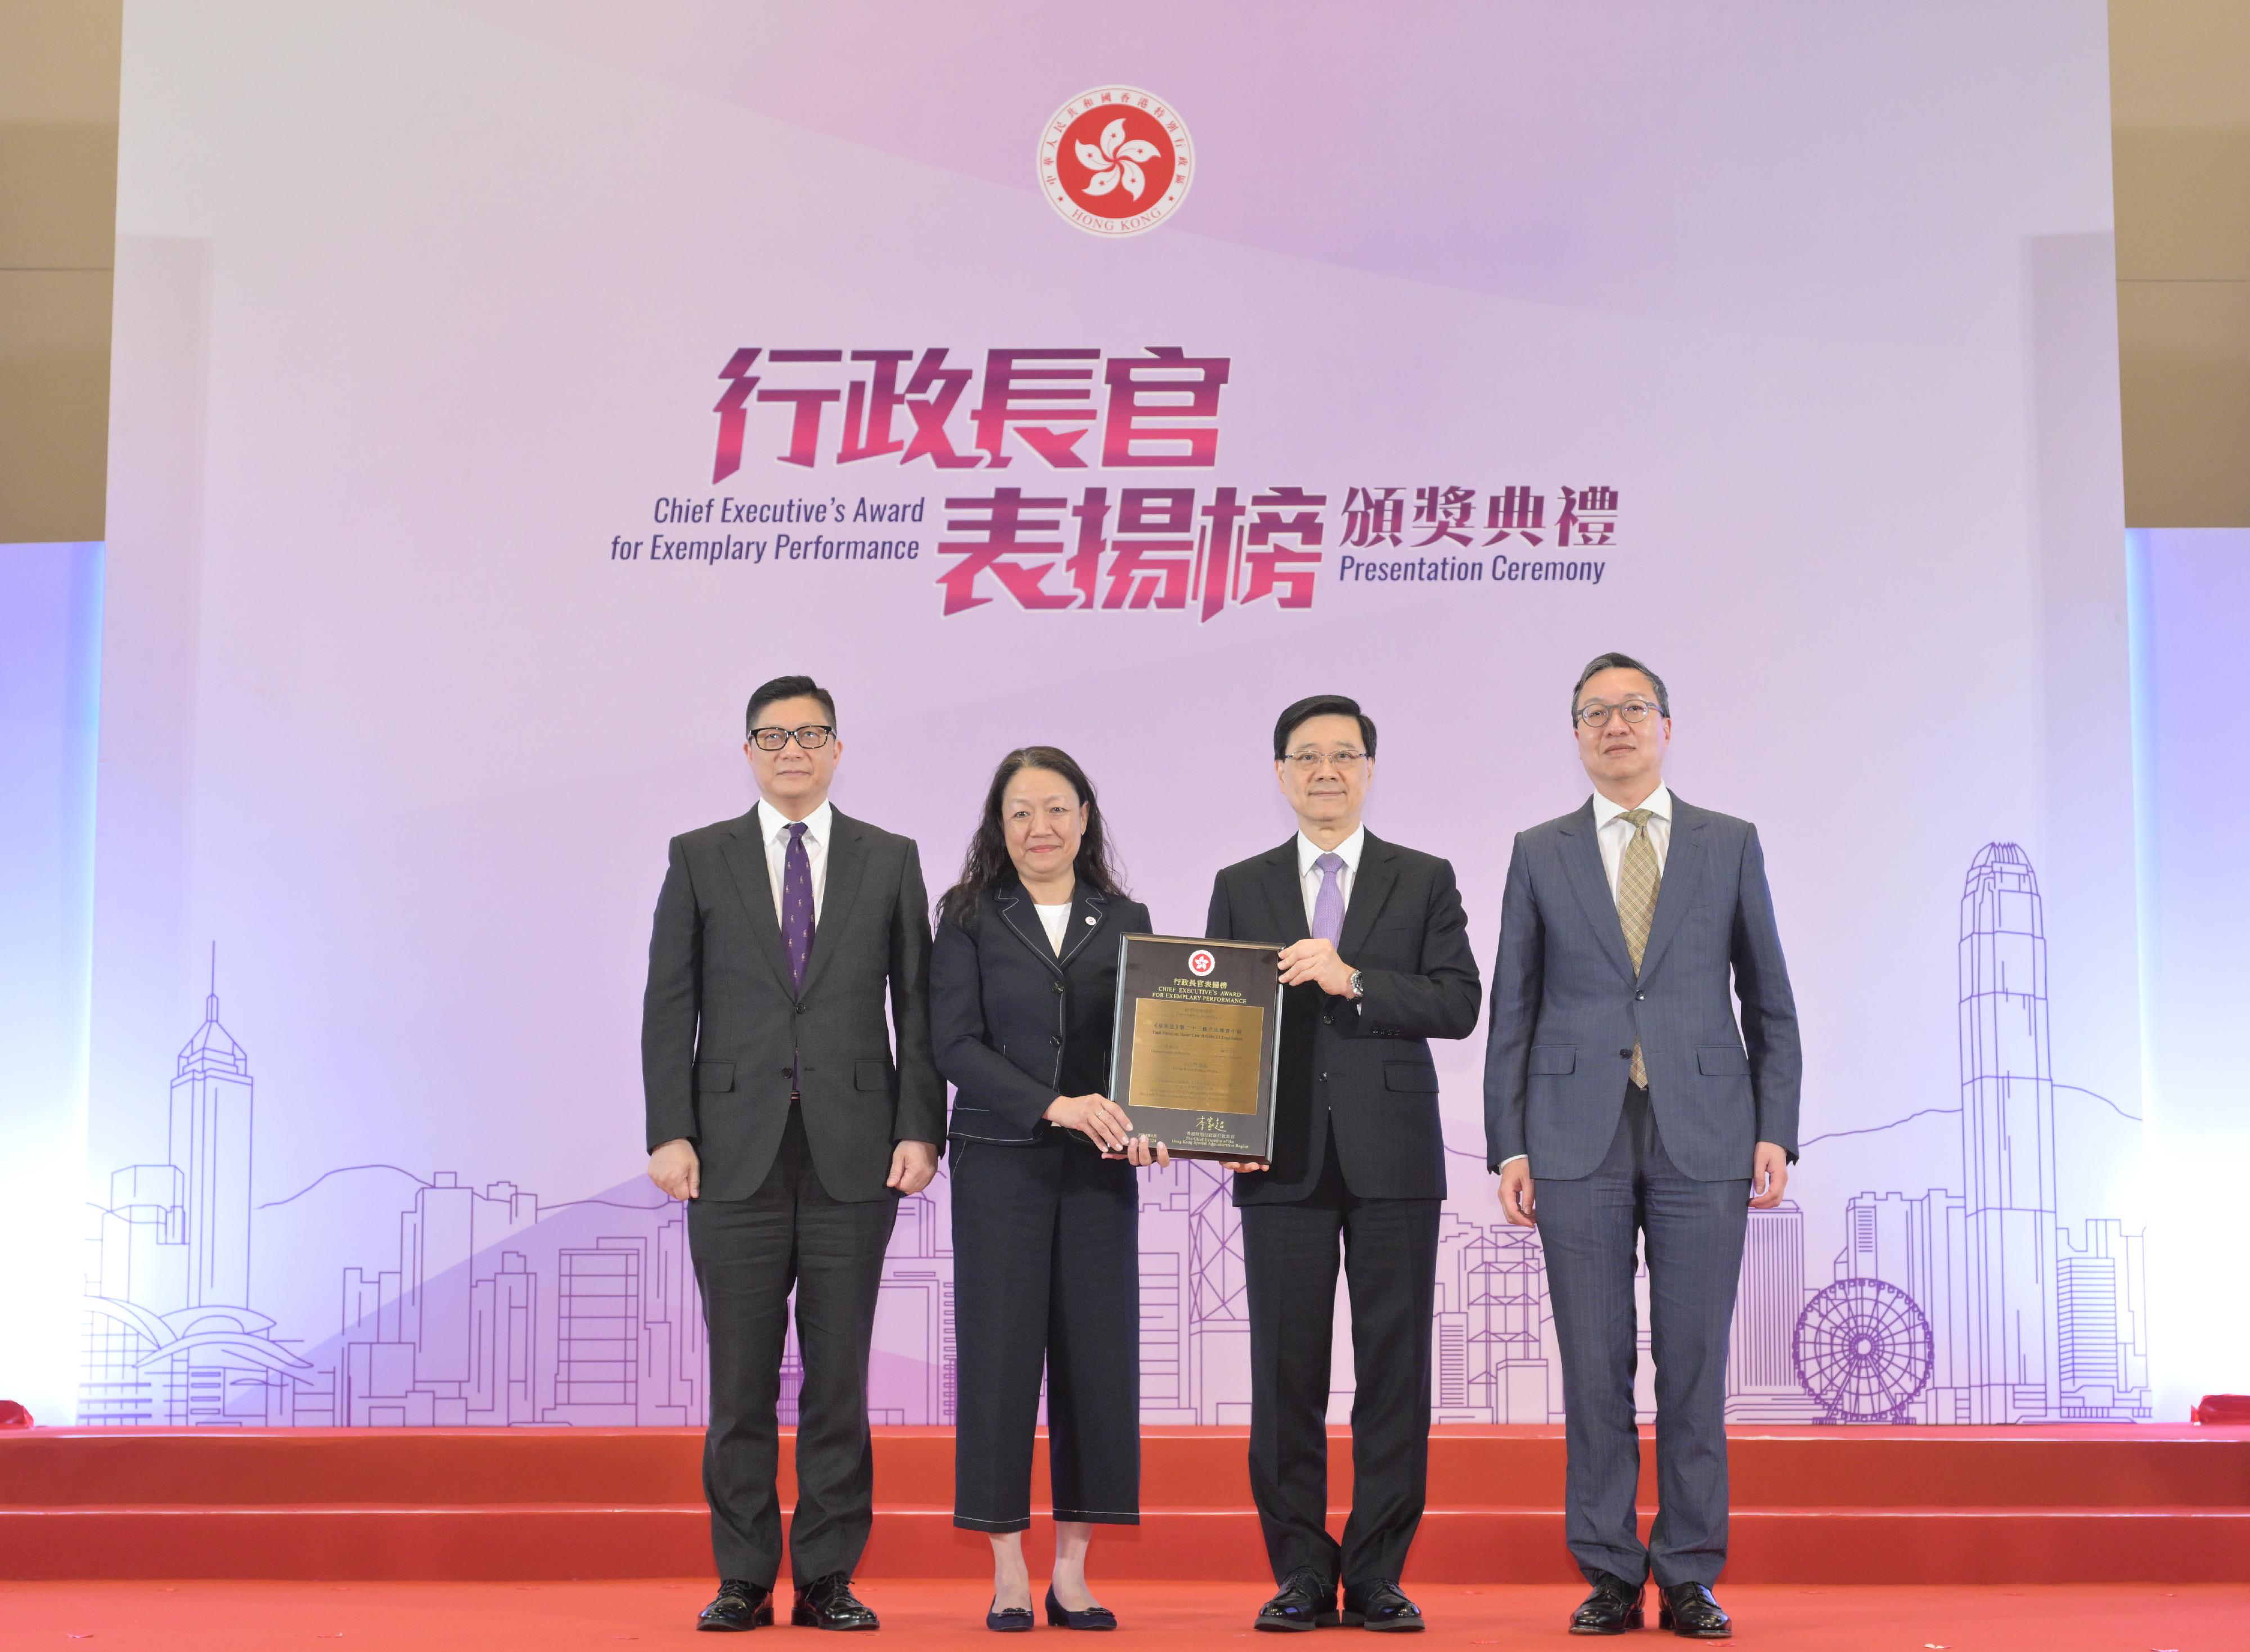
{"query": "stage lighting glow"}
[(2190, 594), (50, 675)]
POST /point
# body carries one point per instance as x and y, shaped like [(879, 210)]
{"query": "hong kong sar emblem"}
[(1115, 161)]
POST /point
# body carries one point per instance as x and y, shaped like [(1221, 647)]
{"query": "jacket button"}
[(802, 1008), (1058, 986), (1324, 1078), (1625, 1054), (1055, 1040), (1640, 997), (789, 1072)]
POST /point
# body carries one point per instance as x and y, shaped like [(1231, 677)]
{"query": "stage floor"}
[(2151, 1504), (437, 1617)]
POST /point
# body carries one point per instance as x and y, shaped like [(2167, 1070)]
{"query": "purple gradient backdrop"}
[(416, 309)]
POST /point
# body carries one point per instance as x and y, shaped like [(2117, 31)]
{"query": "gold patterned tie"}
[(1637, 882)]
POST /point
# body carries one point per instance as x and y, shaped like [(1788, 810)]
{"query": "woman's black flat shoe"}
[(1016, 1620), (1060, 1617)]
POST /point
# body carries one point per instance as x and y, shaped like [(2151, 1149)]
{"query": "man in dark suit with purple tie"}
[(778, 1107), (1378, 961)]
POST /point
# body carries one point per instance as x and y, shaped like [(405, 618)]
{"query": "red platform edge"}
[(2146, 1503)]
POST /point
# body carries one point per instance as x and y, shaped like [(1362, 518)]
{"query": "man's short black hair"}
[(786, 688), (1321, 705), (1620, 663)]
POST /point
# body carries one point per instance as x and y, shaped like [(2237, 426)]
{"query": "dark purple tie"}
[(797, 905)]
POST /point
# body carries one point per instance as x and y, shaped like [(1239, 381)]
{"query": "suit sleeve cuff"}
[(1510, 1159)]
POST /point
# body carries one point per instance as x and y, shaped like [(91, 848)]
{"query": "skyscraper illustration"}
[(2102, 1324), (211, 1119), (2007, 1143), (1195, 1319), (1762, 1384), (170, 1337)]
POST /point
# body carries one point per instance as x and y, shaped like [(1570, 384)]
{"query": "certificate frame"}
[(1196, 1048)]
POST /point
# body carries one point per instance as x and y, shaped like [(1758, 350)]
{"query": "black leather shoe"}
[(1379, 1605), (1613, 1607), (738, 1606), (1061, 1617), (1305, 1602), (1688, 1609), (828, 1603), (1015, 1619)]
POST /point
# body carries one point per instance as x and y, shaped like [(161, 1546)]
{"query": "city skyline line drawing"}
[(374, 1295)]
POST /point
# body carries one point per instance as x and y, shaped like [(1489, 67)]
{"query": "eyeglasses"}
[(812, 736), (1595, 715), (1346, 763)]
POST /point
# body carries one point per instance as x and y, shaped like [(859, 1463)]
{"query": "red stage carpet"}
[(2094, 1504), (562, 1617)]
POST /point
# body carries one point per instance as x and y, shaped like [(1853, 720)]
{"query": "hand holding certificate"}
[(1197, 1038)]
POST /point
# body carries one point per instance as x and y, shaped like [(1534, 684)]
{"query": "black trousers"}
[(749, 1254), (1046, 1265), (1590, 1229), (1389, 1255)]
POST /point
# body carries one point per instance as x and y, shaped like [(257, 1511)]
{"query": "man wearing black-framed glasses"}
[(779, 1109), (1626, 1112)]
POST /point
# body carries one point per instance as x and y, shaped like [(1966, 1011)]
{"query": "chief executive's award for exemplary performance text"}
[(1198, 1041)]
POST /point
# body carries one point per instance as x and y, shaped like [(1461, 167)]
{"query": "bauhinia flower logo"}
[(1115, 161)]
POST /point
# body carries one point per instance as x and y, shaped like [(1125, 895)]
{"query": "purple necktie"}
[(1328, 905), (797, 905)]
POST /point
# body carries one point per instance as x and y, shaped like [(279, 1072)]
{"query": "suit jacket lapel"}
[(847, 859), (1285, 893), (1683, 868), (1018, 912), (1582, 858), (1370, 885), (1089, 911), (745, 854)]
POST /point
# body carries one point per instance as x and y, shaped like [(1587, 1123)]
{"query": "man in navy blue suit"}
[(1623, 1108)]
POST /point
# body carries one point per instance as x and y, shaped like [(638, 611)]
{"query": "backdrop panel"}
[(503, 391)]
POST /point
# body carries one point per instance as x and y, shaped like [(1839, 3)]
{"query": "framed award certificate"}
[(1198, 1044)]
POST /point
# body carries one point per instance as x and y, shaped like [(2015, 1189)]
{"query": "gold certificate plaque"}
[(1198, 1044), (1199, 1057)]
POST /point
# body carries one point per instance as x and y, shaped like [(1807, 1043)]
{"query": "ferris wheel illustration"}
[(1863, 1351)]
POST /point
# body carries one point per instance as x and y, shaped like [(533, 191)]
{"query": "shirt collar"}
[(816, 824), (1308, 852), (1658, 803)]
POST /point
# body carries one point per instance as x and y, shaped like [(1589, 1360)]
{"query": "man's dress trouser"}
[(1289, 1254), (1694, 1232), (748, 1253)]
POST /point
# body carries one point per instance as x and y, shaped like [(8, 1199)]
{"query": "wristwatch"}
[(1358, 985)]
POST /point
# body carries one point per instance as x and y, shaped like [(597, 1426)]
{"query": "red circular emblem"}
[(1201, 962), (1115, 161)]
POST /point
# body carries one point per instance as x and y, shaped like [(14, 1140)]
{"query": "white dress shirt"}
[(818, 827), (1613, 831), (1057, 919), (1309, 876)]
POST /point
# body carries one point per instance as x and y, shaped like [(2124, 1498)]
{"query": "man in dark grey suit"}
[(1616, 1076), (1378, 961), (776, 1107)]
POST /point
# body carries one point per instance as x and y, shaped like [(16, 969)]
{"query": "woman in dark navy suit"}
[(1045, 1211)]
